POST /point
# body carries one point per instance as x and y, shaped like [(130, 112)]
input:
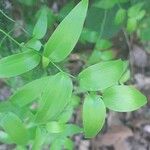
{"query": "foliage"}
[(38, 112)]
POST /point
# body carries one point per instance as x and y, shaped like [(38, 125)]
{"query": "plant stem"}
[(130, 49), (103, 23), (10, 37), (56, 66), (61, 69), (14, 21), (5, 37), (7, 16)]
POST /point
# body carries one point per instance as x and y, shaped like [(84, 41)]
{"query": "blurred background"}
[(113, 29)]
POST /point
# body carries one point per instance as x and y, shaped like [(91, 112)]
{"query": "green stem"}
[(61, 69), (13, 21), (10, 37), (56, 66), (103, 23), (7, 16), (5, 37)]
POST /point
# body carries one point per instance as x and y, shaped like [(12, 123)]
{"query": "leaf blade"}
[(14, 127), (55, 97), (101, 75), (41, 26), (123, 98), (94, 113), (29, 92), (18, 63), (59, 46)]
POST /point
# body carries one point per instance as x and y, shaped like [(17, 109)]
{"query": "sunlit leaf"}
[(14, 127), (55, 127), (101, 75), (65, 37), (123, 98), (34, 44), (41, 26), (18, 63), (38, 140), (94, 113), (29, 92), (55, 97), (120, 16), (131, 25)]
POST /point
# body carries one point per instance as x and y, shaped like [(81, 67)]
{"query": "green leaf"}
[(41, 26), (29, 92), (55, 127), (125, 77), (123, 98), (38, 140), (66, 115), (120, 16), (105, 4), (65, 10), (88, 36), (94, 113), (141, 15), (72, 129), (50, 15), (18, 63), (65, 37), (57, 144), (101, 76), (68, 145), (103, 44), (55, 97), (23, 113), (134, 11), (34, 44), (98, 56), (14, 127), (131, 25)]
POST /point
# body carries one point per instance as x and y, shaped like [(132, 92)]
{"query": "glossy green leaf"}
[(65, 10), (41, 26), (65, 37), (134, 11), (29, 92), (94, 113), (57, 144), (68, 145), (38, 140), (55, 127), (126, 74), (50, 15), (66, 115), (72, 129), (120, 16), (55, 97), (23, 113), (18, 63), (34, 44), (131, 25), (107, 55), (123, 98), (101, 76), (14, 127), (103, 44), (88, 36)]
